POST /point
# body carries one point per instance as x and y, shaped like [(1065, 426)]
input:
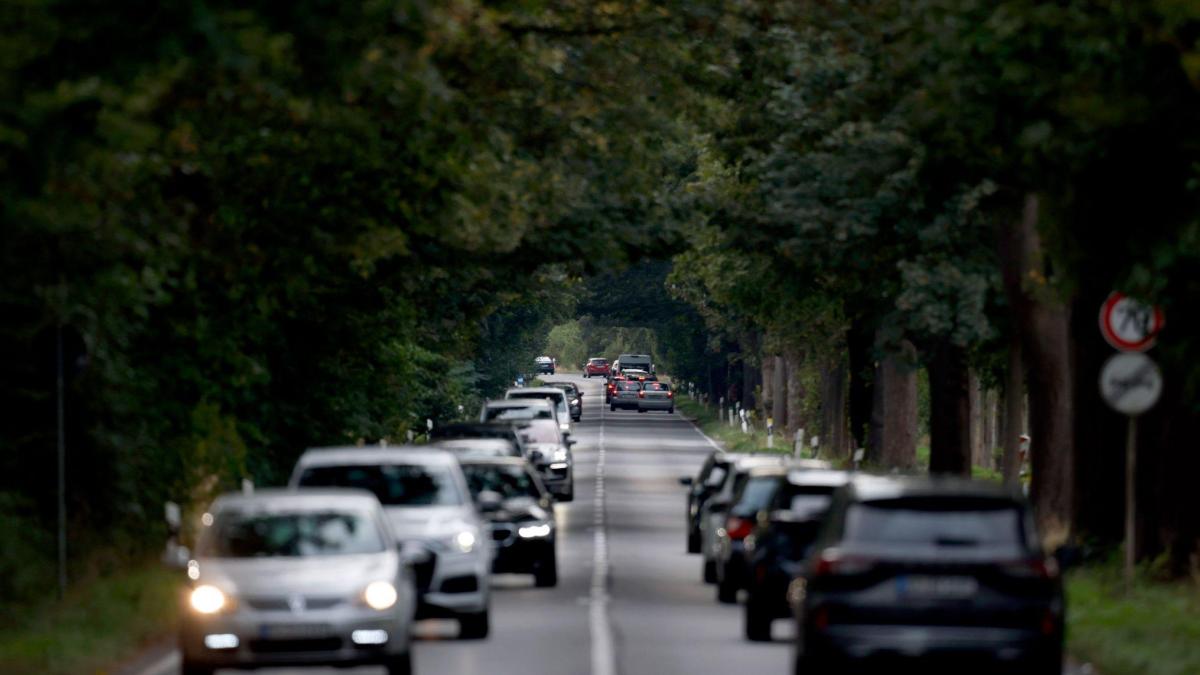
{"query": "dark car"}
[(625, 395), (544, 365), (597, 367), (520, 514), (751, 495), (948, 571), (783, 533), (610, 386), (707, 481), (508, 431), (574, 398)]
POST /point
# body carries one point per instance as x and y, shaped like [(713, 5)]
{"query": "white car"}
[(428, 504), (309, 577), (562, 405)]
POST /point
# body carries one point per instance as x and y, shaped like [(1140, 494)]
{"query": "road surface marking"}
[(603, 656)]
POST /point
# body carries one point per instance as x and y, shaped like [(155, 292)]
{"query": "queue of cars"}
[(875, 569), (364, 541)]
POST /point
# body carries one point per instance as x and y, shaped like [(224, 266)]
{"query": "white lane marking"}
[(714, 444), (603, 656)]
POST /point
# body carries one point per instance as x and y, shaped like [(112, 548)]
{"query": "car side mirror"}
[(489, 501), (571, 443), (685, 481)]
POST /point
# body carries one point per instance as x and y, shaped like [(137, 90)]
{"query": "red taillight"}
[(1033, 568), (1049, 623), (833, 563), (641, 394), (738, 528), (670, 394)]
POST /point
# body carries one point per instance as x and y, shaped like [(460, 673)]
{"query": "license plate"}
[(293, 631), (949, 588)]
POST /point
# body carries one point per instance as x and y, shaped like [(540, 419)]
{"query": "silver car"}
[(550, 452), (309, 577), (656, 396), (478, 447), (562, 406), (428, 504)]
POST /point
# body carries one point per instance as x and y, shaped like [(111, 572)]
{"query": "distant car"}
[(656, 396), (478, 447), (555, 395), (519, 410), (520, 513), (550, 452), (429, 506), (544, 365), (782, 535), (925, 568), (611, 386), (716, 507), (597, 367), (574, 398), (286, 578), (506, 431), (635, 374), (625, 395), (636, 361)]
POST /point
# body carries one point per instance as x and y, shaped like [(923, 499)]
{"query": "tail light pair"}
[(738, 528)]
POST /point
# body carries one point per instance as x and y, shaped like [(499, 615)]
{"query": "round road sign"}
[(1129, 325), (1130, 383)]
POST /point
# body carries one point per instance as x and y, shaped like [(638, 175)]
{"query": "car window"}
[(518, 414), (627, 385), (656, 386), (393, 484), (541, 433), (756, 495), (936, 523), (507, 480), (716, 477), (260, 534)]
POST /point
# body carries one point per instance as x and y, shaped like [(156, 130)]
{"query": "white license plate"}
[(294, 631), (950, 588)]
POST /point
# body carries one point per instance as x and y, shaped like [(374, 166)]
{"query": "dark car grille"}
[(424, 572), (463, 584), (281, 604), (331, 644), (503, 533)]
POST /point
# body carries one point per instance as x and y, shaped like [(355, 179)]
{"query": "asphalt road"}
[(630, 601)]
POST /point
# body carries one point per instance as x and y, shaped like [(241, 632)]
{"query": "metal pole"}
[(62, 466), (1130, 501)]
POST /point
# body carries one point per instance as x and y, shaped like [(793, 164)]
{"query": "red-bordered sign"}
[(1129, 325)]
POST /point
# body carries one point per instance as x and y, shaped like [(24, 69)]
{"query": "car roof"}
[(493, 429), (533, 390), (873, 488), (748, 462), (506, 461), (472, 442), (792, 465), (298, 498), (397, 454)]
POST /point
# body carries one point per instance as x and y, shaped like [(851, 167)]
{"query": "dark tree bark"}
[(861, 347), (833, 431), (949, 411), (780, 386), (894, 414), (796, 393), (769, 392), (1014, 412), (751, 375), (1043, 323)]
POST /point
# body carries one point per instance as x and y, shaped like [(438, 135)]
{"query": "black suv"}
[(520, 516), (783, 533), (945, 570)]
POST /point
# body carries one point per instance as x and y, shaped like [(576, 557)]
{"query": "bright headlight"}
[(380, 595), (534, 531), (565, 426), (574, 401), (465, 541), (560, 455), (207, 599)]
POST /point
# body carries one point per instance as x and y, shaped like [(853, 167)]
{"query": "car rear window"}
[(628, 385), (541, 433), (656, 386), (599, 362), (393, 484), (756, 495), (937, 522), (805, 501)]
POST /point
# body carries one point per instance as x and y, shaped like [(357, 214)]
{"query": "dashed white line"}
[(603, 654)]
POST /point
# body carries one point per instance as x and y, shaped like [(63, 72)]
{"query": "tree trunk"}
[(833, 433), (769, 393), (949, 412), (1014, 412), (861, 346), (893, 442), (750, 373), (1043, 322), (976, 402), (782, 390)]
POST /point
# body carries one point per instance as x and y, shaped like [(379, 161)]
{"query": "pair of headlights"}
[(208, 599)]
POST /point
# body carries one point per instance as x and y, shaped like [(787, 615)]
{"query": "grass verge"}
[(728, 436), (98, 624), (1152, 630)]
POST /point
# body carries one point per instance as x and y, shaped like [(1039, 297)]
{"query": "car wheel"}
[(568, 496), (612, 408), (400, 664), (671, 411), (758, 622), (193, 668), (693, 543), (710, 571), (640, 410), (726, 591), (546, 574), (473, 626)]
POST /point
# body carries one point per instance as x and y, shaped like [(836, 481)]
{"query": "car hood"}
[(430, 522), (517, 512), (324, 575)]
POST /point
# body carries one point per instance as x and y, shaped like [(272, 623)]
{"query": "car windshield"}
[(805, 501), (393, 484), (508, 480), (540, 432), (259, 534), (518, 414), (756, 495), (936, 523)]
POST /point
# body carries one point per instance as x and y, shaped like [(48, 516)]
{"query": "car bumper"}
[(283, 638), (557, 477), (627, 403), (522, 556), (868, 642), (648, 404), (459, 585)]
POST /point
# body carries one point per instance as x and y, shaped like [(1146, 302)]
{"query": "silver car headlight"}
[(463, 541), (380, 595), (560, 455), (208, 599)]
